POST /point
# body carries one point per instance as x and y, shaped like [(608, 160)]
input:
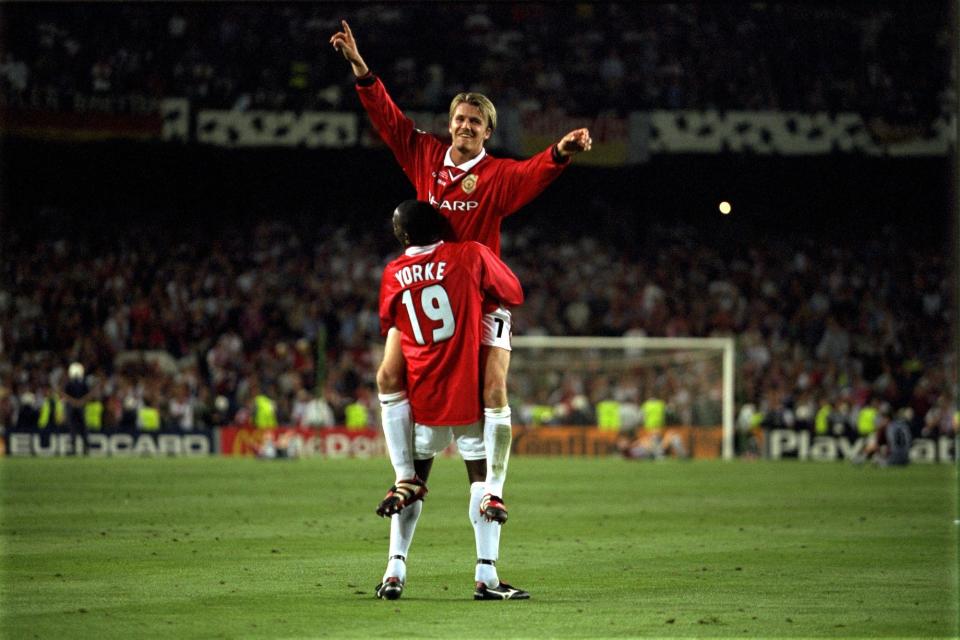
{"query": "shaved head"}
[(417, 223)]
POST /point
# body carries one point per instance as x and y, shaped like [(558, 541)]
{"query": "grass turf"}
[(238, 548)]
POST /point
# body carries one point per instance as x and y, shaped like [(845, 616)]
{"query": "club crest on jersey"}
[(469, 183)]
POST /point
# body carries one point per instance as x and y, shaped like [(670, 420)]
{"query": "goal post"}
[(590, 356)]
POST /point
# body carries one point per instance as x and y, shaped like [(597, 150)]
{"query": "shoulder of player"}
[(376, 88), (430, 147), (403, 260), (465, 246), (493, 163), (473, 253)]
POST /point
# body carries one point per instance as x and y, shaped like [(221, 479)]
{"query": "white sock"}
[(402, 527), (396, 568), (398, 432), (487, 535), (497, 437)]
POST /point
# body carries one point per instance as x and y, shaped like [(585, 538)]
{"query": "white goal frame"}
[(725, 345)]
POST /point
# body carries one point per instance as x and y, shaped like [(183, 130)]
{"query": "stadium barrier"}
[(101, 445), (344, 443), (618, 140), (701, 442), (301, 441), (339, 442), (780, 444)]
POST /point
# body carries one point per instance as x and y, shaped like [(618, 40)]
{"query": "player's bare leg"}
[(403, 524), (397, 429), (497, 430)]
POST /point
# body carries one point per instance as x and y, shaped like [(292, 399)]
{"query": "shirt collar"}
[(466, 166), (419, 251)]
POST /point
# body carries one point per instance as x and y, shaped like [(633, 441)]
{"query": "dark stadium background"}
[(97, 193), (115, 182)]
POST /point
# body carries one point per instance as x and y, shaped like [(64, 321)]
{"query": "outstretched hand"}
[(345, 43), (574, 142)]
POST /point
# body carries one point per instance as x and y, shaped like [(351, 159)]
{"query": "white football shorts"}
[(497, 329), (428, 442)]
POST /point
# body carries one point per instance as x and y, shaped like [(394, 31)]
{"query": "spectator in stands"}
[(76, 393), (220, 415), (940, 419), (28, 415), (891, 446), (223, 56), (834, 345), (182, 408), (312, 410), (15, 75), (360, 414), (149, 418), (129, 415), (262, 406)]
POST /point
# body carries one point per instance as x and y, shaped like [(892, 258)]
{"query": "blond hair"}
[(481, 102)]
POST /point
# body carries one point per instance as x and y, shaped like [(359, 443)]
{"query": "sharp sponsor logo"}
[(103, 445), (783, 443), (454, 205)]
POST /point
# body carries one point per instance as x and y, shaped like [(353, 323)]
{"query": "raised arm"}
[(524, 180), (574, 142), (397, 130), (345, 43)]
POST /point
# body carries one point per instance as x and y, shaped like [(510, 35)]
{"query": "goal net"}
[(578, 381)]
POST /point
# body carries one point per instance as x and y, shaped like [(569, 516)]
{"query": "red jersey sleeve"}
[(397, 130), (524, 180), (497, 281)]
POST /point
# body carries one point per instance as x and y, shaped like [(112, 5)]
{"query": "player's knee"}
[(389, 381)]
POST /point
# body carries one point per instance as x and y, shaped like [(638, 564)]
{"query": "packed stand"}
[(201, 329), (878, 59)]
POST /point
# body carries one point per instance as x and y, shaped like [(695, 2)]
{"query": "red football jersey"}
[(475, 196), (433, 295)]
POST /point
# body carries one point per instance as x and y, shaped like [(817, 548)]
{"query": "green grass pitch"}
[(241, 548)]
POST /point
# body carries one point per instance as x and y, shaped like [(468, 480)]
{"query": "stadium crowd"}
[(879, 59), (201, 329), (277, 321)]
